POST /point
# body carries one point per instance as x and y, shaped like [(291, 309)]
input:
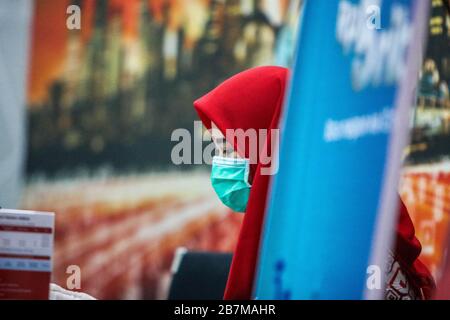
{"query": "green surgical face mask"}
[(229, 178)]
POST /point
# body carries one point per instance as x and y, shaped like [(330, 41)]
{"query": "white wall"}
[(15, 23)]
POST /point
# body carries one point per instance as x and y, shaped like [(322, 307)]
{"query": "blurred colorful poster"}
[(332, 211), (425, 185), (103, 101)]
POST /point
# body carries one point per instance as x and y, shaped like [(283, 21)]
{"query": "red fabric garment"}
[(407, 252), (254, 99)]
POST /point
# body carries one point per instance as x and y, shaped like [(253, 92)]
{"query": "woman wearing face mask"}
[(253, 100)]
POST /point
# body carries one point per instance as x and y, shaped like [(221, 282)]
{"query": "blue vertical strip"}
[(325, 198)]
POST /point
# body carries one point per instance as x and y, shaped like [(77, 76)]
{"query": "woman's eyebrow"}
[(219, 141)]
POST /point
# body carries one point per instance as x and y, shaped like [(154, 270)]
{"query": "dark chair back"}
[(200, 276)]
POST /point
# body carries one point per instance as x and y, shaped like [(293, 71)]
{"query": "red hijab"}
[(254, 99)]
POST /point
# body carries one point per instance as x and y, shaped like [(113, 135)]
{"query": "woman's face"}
[(223, 148)]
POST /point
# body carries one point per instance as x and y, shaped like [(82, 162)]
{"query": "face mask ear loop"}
[(247, 172)]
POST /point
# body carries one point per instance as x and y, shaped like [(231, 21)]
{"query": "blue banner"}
[(341, 127)]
